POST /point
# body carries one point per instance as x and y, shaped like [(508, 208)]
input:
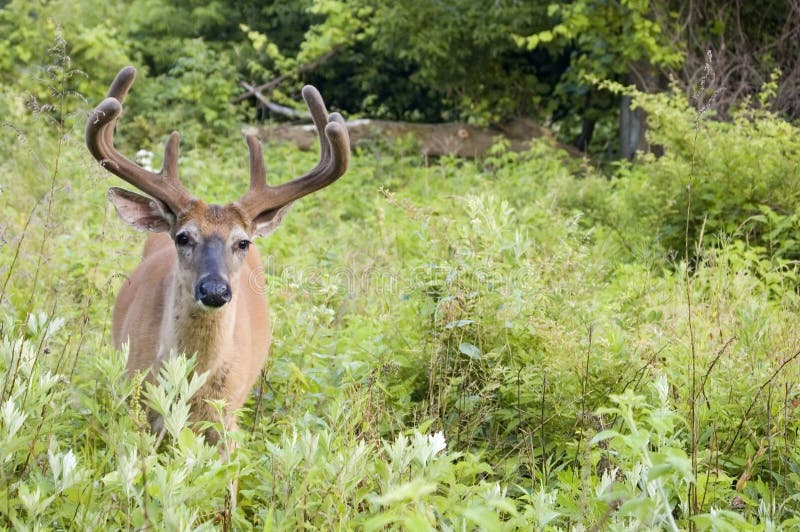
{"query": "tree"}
[(419, 60), (619, 41)]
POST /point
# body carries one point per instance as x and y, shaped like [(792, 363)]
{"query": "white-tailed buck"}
[(199, 289)]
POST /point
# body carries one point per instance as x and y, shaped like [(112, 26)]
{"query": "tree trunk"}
[(633, 122), (632, 126), (587, 130)]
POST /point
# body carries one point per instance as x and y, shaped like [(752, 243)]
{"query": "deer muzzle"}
[(212, 288), (212, 291)]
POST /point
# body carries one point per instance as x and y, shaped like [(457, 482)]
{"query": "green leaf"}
[(472, 351), (459, 323), (413, 490), (187, 439), (603, 435), (484, 517)]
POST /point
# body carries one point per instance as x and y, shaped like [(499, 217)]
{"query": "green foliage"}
[(464, 52), (195, 89), (494, 344), (605, 37), (482, 62), (649, 456), (35, 30), (83, 457), (741, 175)]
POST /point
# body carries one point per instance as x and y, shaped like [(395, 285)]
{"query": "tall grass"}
[(493, 344)]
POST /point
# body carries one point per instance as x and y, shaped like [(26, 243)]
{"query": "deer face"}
[(211, 244), (211, 241)]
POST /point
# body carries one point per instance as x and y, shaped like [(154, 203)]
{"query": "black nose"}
[(212, 291)]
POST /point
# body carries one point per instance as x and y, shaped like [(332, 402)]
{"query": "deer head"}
[(211, 241)]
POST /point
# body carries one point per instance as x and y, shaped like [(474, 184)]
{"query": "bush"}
[(741, 177), (457, 344)]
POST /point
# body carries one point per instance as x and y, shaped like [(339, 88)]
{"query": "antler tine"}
[(258, 173), (164, 186), (121, 84), (319, 114), (334, 159)]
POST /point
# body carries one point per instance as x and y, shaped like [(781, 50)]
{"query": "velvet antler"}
[(334, 158), (165, 185)]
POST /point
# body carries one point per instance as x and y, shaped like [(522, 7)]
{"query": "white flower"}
[(145, 159)]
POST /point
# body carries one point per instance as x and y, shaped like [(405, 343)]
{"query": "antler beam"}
[(334, 159), (165, 185)]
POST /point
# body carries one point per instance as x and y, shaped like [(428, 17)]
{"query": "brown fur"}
[(157, 314)]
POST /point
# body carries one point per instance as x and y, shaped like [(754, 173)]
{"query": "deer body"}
[(199, 289), (156, 319)]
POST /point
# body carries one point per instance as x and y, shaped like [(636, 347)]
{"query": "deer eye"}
[(182, 239), (243, 244)]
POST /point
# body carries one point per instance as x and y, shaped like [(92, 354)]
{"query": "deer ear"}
[(268, 221), (141, 212)]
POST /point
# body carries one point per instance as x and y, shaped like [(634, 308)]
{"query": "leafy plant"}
[(493, 344)]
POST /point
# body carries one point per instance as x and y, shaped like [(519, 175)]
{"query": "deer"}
[(199, 288)]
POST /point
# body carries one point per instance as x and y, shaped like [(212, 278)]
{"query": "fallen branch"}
[(270, 85), (459, 139), (274, 107)]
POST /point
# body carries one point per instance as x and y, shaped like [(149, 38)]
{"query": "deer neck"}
[(194, 331)]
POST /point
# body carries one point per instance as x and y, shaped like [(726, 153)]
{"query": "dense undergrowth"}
[(520, 342)]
